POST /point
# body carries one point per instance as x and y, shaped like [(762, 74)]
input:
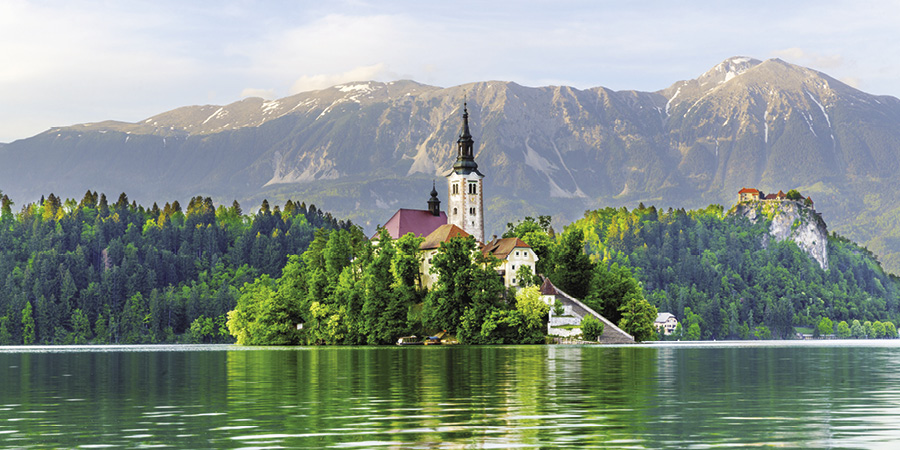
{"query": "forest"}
[(711, 270), (90, 271)]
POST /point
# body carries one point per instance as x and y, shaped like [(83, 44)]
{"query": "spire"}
[(465, 155), (434, 204)]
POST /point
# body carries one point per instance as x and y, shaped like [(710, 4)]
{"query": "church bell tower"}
[(465, 208)]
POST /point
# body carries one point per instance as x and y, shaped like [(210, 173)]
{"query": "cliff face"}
[(790, 220)]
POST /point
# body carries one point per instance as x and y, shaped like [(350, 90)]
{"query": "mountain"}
[(362, 150)]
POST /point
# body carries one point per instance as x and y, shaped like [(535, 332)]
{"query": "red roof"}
[(748, 191), (547, 288), (771, 196), (443, 233), (501, 248), (417, 221)]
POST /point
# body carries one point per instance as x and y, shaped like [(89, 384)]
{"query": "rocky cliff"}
[(790, 220)]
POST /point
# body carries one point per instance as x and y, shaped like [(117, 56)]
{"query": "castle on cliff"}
[(751, 195)]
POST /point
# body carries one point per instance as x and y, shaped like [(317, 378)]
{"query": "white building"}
[(667, 322)]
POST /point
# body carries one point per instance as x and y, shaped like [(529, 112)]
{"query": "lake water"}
[(795, 395)]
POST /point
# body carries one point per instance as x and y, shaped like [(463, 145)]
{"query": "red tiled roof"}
[(501, 248), (547, 288), (771, 196), (417, 221), (443, 233), (748, 191)]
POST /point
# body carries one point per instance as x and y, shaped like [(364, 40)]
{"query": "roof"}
[(748, 191), (417, 221), (501, 248), (771, 196), (443, 233), (662, 317), (547, 288)]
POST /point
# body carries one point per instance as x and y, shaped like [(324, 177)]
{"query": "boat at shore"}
[(410, 340)]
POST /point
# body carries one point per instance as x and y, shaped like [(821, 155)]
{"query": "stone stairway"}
[(567, 324)]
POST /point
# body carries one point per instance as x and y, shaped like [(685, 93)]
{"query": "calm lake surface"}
[(834, 394)]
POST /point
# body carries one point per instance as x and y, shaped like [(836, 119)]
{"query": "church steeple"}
[(465, 207), (465, 154), (434, 204)]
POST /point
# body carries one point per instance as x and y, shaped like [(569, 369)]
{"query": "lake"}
[(825, 394)]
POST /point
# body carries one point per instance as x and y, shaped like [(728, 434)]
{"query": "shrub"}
[(591, 328)]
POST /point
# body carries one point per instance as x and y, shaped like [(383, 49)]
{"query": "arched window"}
[(454, 211)]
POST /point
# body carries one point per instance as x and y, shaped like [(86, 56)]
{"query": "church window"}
[(472, 211), (455, 188), (472, 188), (454, 211)]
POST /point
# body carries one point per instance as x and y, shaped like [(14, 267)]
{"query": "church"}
[(464, 217)]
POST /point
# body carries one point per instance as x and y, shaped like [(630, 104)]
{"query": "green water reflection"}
[(840, 396)]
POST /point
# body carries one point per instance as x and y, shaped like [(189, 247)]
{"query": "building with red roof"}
[(749, 194), (514, 254)]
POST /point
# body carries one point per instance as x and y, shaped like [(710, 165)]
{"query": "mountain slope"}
[(363, 149)]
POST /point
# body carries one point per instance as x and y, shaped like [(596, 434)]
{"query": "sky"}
[(78, 61)]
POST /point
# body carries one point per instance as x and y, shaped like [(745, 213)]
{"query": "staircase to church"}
[(568, 324)]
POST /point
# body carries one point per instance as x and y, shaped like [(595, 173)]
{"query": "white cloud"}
[(797, 55), (267, 94), (375, 72), (851, 81)]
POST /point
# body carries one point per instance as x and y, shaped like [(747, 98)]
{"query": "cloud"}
[(807, 58), (851, 81), (375, 72), (267, 94)]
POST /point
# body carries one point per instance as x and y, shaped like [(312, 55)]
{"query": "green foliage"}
[(637, 318), (138, 275), (762, 333), (793, 194), (27, 325), (610, 288), (718, 266), (890, 330), (558, 308), (591, 328), (856, 330), (570, 268), (843, 330), (825, 327), (452, 294), (5, 334)]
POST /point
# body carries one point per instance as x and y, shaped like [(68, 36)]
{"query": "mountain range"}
[(361, 150)]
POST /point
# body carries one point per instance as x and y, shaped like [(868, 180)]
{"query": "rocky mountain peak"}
[(727, 70)]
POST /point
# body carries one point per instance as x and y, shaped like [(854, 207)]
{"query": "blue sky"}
[(75, 61)]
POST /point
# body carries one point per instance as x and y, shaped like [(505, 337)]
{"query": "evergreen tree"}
[(27, 325)]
